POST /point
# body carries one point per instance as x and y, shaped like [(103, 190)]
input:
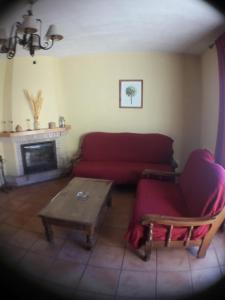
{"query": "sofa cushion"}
[(202, 184), (119, 172), (153, 197), (127, 147)]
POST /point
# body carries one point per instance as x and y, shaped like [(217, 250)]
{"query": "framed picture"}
[(131, 93)]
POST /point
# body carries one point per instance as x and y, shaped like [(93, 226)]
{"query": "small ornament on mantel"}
[(36, 105), (28, 124), (10, 126), (4, 126), (19, 128), (62, 122)]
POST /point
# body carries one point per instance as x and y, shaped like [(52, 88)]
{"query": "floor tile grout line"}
[(220, 266), (27, 248), (156, 276), (53, 258), (23, 256), (205, 268), (191, 275), (61, 247), (121, 269), (85, 268)]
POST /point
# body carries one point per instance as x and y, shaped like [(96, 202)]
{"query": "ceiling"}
[(102, 26)]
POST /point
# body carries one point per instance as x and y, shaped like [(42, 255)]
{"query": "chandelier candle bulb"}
[(35, 41), (53, 34), (29, 24)]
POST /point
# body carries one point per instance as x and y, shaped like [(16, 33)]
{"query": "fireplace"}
[(39, 157), (18, 166)]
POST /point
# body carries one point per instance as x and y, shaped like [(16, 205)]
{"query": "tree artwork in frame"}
[(131, 93)]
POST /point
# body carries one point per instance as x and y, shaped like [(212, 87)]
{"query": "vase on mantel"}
[(36, 124)]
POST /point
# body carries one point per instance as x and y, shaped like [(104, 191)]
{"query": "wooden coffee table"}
[(78, 206)]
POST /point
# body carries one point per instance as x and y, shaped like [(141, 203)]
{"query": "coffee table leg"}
[(90, 238), (109, 200), (48, 230)]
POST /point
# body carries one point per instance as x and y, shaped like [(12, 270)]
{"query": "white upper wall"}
[(105, 26)]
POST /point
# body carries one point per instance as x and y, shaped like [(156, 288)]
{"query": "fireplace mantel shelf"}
[(32, 132)]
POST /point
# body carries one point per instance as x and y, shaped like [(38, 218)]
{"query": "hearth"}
[(39, 157)]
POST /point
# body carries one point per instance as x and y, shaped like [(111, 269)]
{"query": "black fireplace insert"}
[(39, 157)]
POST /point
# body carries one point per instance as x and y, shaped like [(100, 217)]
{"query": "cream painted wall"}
[(2, 82), (91, 85), (210, 99), (191, 106), (85, 89), (45, 76), (19, 74)]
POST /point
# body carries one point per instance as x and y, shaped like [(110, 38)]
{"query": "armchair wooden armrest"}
[(147, 173), (176, 221), (171, 222)]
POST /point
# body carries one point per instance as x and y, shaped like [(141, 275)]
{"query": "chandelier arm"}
[(48, 45), (11, 48)]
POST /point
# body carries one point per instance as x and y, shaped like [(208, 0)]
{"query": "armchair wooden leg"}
[(208, 238), (148, 243), (148, 251), (202, 251), (222, 227), (204, 246)]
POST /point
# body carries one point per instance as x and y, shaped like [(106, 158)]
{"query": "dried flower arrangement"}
[(36, 105)]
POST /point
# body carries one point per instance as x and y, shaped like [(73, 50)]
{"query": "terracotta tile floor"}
[(111, 270)]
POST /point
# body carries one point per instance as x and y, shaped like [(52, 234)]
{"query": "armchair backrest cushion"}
[(127, 147), (202, 184)]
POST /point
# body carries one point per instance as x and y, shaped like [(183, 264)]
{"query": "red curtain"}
[(220, 143)]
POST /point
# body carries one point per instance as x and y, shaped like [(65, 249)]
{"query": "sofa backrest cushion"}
[(202, 184), (127, 147)]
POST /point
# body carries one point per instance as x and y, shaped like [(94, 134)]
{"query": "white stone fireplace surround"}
[(13, 143)]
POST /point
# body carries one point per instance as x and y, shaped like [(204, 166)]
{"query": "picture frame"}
[(131, 93)]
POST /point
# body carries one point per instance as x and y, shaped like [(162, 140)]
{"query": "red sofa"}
[(122, 157), (164, 212)]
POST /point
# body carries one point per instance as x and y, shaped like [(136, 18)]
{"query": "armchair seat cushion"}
[(120, 172), (154, 198)]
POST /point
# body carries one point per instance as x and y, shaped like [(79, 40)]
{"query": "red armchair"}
[(180, 214)]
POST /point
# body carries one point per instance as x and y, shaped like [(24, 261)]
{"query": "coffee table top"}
[(80, 201)]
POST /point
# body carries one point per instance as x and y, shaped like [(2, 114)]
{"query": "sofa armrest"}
[(75, 159), (168, 175), (174, 164)]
